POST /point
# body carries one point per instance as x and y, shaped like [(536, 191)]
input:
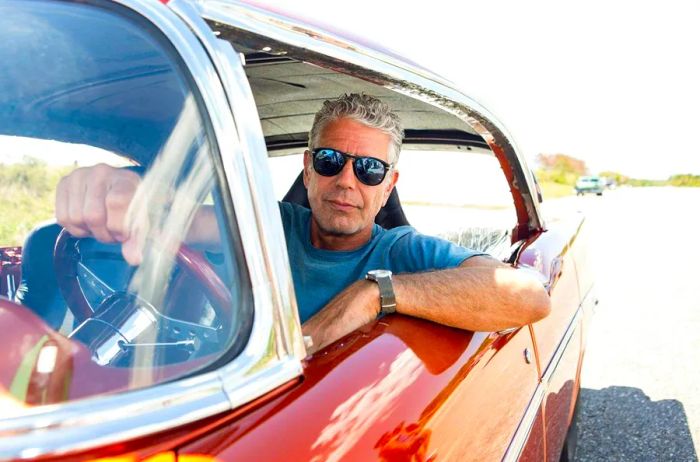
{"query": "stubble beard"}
[(328, 227)]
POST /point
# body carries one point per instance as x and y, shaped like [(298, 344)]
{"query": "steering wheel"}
[(123, 317)]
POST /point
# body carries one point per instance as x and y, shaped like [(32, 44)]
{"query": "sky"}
[(616, 84)]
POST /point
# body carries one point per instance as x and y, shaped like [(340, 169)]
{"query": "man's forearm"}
[(480, 295), (204, 230)]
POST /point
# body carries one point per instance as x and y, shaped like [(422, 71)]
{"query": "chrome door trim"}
[(267, 361), (57, 430), (517, 444), (561, 348), (253, 153), (519, 440), (260, 28)]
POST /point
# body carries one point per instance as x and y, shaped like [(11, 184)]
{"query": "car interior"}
[(288, 93), (451, 184)]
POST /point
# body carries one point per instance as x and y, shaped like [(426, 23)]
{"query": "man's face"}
[(342, 207)]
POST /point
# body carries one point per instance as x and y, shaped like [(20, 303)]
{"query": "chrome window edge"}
[(519, 440), (517, 444), (270, 232), (62, 429), (319, 47), (263, 365)]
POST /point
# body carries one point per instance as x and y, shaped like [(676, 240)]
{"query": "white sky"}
[(613, 83)]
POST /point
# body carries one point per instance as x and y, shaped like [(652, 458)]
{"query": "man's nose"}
[(346, 177)]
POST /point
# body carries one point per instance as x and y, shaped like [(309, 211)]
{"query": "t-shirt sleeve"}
[(415, 252)]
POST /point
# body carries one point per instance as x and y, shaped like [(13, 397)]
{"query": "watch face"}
[(380, 273)]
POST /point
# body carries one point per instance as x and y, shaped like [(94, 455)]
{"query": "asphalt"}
[(640, 396)]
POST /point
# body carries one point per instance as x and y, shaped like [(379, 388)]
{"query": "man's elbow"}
[(539, 306)]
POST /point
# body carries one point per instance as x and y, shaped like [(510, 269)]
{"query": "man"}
[(349, 171)]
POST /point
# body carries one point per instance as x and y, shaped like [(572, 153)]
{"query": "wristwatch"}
[(386, 290)]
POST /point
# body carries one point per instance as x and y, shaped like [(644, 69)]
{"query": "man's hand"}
[(354, 307), (94, 201)]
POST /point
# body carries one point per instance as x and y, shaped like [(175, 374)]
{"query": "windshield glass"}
[(84, 85)]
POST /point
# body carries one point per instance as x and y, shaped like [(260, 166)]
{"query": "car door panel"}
[(398, 387), (558, 336)]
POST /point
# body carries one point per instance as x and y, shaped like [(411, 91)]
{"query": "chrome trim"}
[(254, 154), (559, 352), (517, 444), (61, 429), (266, 362), (260, 28), (519, 440)]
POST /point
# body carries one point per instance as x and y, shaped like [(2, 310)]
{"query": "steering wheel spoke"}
[(93, 283), (121, 322), (180, 331)]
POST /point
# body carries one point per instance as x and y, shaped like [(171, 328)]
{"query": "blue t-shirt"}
[(319, 275)]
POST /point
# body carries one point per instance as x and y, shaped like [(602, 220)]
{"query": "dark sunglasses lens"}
[(369, 171), (328, 162)]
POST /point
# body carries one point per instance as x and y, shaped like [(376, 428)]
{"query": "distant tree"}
[(684, 180), (560, 168), (562, 162)]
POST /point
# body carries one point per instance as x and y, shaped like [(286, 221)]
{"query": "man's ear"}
[(307, 167), (393, 178)]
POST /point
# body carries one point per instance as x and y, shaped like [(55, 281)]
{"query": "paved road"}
[(640, 398)]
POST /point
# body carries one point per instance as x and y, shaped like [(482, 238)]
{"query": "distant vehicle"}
[(610, 183), (590, 184)]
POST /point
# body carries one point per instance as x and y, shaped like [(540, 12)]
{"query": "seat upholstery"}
[(38, 289)]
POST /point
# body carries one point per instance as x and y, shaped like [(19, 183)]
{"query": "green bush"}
[(27, 190), (684, 180)]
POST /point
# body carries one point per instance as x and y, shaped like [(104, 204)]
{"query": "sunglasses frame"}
[(387, 166)]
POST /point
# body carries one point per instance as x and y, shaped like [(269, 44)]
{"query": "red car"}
[(197, 353)]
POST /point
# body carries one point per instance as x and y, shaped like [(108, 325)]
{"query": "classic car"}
[(590, 185), (198, 353)]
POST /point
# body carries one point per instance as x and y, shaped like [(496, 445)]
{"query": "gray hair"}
[(362, 108)]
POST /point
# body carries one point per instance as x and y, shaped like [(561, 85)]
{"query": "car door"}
[(398, 387), (127, 86)]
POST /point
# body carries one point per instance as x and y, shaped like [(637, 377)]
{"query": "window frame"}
[(262, 29), (271, 357)]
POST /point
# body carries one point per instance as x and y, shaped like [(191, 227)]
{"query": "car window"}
[(111, 90), (456, 192), (459, 193)]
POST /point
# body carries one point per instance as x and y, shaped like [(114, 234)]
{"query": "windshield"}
[(84, 85)]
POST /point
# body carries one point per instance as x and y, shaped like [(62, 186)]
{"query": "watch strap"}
[(386, 293)]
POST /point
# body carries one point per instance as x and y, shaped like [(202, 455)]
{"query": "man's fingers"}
[(93, 201), (64, 206), (117, 200), (94, 212), (132, 248)]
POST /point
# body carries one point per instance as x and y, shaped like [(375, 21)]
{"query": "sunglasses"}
[(369, 170)]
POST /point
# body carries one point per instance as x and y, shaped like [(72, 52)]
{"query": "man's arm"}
[(482, 294)]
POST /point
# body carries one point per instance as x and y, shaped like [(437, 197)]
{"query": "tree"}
[(560, 168)]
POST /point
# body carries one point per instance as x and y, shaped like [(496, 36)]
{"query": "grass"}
[(551, 190), (27, 190)]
